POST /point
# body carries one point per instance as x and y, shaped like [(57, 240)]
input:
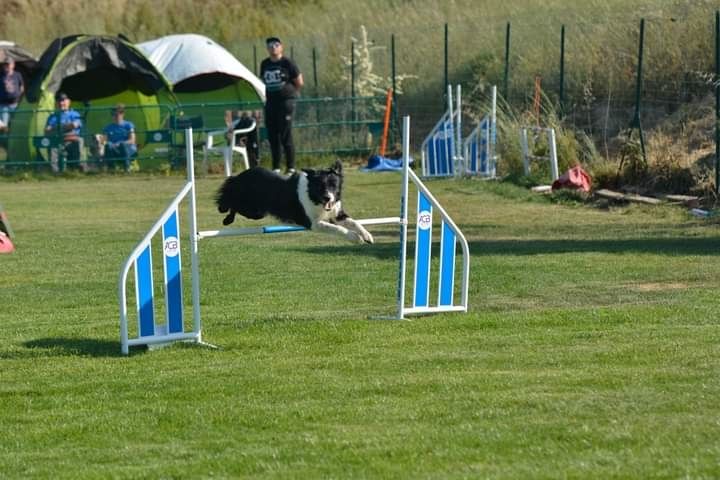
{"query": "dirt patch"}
[(657, 287)]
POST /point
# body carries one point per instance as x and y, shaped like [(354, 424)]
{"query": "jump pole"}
[(152, 333)]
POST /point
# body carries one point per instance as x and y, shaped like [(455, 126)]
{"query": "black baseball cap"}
[(61, 96), (270, 40)]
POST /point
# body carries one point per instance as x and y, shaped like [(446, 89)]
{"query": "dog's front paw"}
[(367, 238), (361, 237)]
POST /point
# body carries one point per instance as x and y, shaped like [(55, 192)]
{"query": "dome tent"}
[(201, 72), (25, 62), (96, 72)]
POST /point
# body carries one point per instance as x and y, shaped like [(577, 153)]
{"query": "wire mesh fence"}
[(586, 64)]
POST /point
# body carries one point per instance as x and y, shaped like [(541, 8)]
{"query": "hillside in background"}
[(600, 63)]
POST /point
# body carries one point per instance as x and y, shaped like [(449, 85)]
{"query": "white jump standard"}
[(172, 328)]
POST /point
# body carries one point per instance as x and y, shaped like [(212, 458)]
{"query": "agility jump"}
[(151, 330), (445, 154)]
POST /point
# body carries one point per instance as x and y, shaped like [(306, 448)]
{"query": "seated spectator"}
[(119, 137), (250, 140), (11, 89), (68, 123)]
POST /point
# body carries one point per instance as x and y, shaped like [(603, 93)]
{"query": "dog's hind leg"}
[(230, 218)]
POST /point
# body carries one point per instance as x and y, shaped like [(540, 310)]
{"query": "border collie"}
[(310, 198)]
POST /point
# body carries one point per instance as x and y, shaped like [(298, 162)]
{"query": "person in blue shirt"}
[(66, 122), (119, 137)]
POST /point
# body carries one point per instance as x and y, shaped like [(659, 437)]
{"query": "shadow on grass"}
[(381, 251), (82, 347), (662, 246)]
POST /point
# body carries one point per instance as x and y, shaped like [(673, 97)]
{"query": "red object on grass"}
[(576, 178), (6, 246)]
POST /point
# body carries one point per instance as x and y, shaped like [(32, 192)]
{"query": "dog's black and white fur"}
[(310, 198)]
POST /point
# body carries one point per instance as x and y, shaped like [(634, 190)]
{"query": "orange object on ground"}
[(576, 178)]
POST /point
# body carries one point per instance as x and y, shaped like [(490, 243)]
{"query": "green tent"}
[(206, 78), (96, 72)]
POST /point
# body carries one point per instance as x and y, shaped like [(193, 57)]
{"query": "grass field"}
[(590, 351)]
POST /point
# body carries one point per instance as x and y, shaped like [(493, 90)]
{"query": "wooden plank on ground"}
[(610, 194), (687, 200), (640, 199)]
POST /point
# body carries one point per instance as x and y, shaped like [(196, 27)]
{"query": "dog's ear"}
[(337, 167)]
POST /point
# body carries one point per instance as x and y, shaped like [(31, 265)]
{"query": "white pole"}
[(194, 257), (525, 153), (553, 154), (227, 157), (492, 134), (450, 142), (459, 161), (403, 218)]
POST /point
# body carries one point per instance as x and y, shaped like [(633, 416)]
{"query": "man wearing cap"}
[(283, 82), (68, 123), (11, 89), (120, 137)]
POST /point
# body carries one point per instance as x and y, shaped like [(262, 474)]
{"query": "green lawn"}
[(590, 350)]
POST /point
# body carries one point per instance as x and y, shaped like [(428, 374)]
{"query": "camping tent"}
[(25, 62), (204, 73), (96, 72)]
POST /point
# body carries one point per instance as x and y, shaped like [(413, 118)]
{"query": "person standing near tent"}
[(11, 89), (70, 124), (119, 137), (283, 82)]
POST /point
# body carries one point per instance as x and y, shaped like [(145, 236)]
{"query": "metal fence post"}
[(561, 95), (636, 123), (445, 84), (507, 61), (255, 65), (717, 101)]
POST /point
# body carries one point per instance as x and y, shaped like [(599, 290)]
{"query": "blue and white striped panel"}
[(447, 266), (144, 293), (423, 244), (173, 274)]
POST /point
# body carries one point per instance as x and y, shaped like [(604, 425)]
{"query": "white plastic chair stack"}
[(226, 149)]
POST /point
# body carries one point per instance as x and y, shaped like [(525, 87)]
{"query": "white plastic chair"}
[(228, 149)]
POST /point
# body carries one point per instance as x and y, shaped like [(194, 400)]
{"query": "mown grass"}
[(590, 350)]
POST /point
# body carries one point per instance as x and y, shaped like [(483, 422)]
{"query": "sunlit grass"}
[(590, 350)]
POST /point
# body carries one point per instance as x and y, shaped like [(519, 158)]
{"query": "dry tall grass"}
[(600, 64)]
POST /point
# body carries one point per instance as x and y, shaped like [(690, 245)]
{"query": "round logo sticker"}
[(424, 220), (157, 136), (45, 142), (172, 247)]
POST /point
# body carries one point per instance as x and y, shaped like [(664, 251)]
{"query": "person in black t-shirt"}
[(283, 82)]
